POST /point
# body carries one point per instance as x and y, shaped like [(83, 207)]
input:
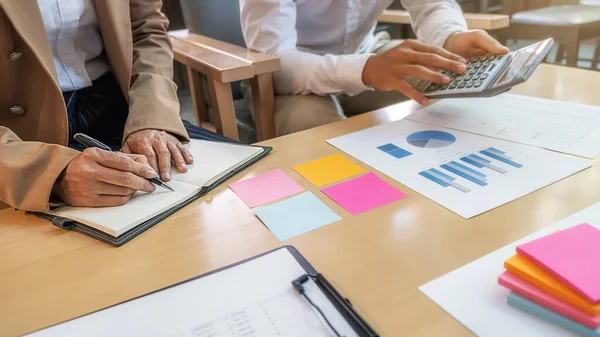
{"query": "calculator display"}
[(521, 61)]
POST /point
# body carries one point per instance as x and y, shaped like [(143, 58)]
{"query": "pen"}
[(88, 141)]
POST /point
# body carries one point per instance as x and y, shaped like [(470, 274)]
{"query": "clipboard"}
[(185, 292)]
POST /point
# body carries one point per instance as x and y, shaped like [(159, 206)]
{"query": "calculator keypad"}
[(479, 71)]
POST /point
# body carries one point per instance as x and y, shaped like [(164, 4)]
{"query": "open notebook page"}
[(143, 206), (213, 160)]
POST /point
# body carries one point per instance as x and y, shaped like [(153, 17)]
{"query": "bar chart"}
[(500, 156), (460, 170), (470, 169), (467, 173), (443, 179), (394, 151)]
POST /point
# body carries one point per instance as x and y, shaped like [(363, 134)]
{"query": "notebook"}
[(534, 294), (214, 162), (571, 256), (523, 268), (549, 316)]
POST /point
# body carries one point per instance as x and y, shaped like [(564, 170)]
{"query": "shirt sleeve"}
[(269, 27), (28, 171), (153, 102), (434, 20)]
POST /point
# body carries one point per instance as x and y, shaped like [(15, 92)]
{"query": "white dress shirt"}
[(76, 42), (323, 45)]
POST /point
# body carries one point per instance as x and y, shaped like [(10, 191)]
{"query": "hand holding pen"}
[(97, 178)]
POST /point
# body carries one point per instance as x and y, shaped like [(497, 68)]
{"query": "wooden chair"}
[(223, 64), (568, 22), (212, 47)]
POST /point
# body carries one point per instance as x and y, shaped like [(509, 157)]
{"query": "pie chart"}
[(431, 139)]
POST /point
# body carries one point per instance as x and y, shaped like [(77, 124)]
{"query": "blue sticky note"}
[(295, 216), (550, 316)]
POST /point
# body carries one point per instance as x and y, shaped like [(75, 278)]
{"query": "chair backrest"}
[(217, 19)]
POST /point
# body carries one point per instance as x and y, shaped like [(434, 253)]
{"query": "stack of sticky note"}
[(557, 278)]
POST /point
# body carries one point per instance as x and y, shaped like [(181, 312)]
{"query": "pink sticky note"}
[(265, 188), (572, 256), (527, 290), (363, 193)]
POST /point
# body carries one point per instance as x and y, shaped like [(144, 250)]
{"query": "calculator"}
[(491, 75)]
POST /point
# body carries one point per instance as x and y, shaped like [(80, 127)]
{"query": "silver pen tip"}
[(167, 187)]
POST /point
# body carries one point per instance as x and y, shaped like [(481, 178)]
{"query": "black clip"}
[(63, 223)]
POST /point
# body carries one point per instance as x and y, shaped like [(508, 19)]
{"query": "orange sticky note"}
[(571, 256), (328, 170), (527, 270)]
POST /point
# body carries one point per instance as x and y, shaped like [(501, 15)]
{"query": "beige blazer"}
[(33, 117)]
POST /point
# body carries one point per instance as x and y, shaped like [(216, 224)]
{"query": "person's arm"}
[(154, 127), (153, 102), (269, 27), (34, 173), (441, 23), (28, 170), (434, 20)]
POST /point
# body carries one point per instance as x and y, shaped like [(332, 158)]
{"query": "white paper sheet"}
[(502, 182), (213, 159), (472, 296), (254, 299), (555, 125), (143, 206)]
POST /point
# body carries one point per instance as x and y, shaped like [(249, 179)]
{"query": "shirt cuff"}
[(440, 39), (349, 73)]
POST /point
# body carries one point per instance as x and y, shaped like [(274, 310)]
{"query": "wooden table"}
[(474, 20), (378, 259)]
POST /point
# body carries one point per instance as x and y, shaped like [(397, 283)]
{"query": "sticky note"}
[(296, 215), (550, 316), (363, 193), (534, 294), (328, 170), (265, 188), (527, 270), (572, 256)]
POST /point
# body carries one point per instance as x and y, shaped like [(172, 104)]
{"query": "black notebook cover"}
[(120, 240)]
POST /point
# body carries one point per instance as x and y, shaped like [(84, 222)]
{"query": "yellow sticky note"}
[(328, 170)]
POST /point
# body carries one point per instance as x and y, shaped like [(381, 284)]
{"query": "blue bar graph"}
[(443, 179), (441, 174), (458, 165), (468, 160), (462, 173), (434, 179), (498, 152), (470, 168), (481, 162), (500, 156), (394, 151)]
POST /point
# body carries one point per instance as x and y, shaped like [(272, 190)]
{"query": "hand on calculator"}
[(423, 63), (473, 43), (414, 59), (488, 74)]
